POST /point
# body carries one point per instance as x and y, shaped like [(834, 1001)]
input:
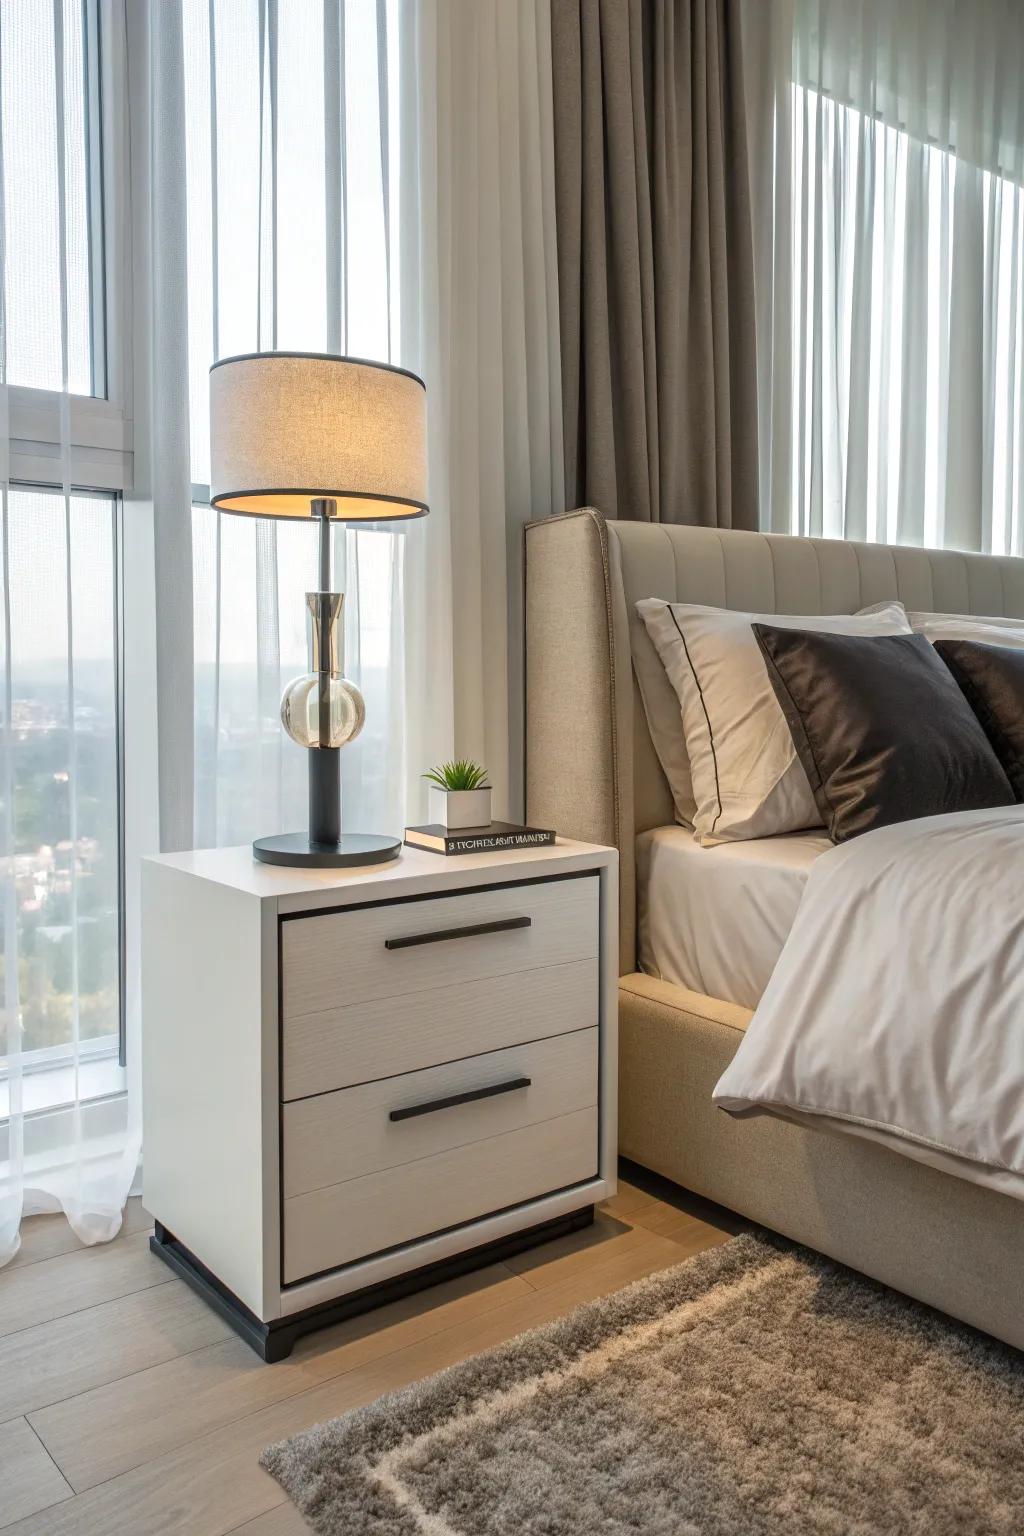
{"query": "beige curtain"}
[(480, 323), (655, 265)]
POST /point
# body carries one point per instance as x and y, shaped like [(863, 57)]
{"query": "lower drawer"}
[(343, 1222), (336, 1137)]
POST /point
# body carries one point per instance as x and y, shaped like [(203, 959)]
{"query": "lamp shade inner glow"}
[(288, 427)]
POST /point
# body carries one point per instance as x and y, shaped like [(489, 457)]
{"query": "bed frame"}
[(591, 771)]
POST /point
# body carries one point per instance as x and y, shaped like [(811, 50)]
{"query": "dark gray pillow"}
[(881, 728), (992, 679)]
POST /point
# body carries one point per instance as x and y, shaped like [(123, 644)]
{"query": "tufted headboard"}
[(591, 771)]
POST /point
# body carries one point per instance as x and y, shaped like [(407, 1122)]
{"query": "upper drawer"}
[(407, 946), (359, 1042)]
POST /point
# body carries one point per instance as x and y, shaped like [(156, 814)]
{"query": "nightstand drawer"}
[(341, 1136), (334, 1226), (341, 958), (386, 1036)]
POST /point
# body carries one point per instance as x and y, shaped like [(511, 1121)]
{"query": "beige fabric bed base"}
[(591, 771), (952, 1244)]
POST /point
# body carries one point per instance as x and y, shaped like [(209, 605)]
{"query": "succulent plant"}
[(459, 775)]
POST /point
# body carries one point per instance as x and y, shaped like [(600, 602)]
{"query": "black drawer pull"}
[(498, 926), (460, 1098)]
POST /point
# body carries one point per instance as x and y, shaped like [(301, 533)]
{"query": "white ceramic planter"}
[(460, 808)]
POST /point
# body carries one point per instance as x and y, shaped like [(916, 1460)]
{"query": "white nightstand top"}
[(413, 873)]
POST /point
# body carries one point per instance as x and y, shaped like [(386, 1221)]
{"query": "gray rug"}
[(754, 1389)]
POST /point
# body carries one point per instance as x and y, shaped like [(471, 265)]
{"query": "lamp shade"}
[(288, 427)]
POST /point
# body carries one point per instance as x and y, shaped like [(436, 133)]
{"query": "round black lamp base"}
[(351, 850)]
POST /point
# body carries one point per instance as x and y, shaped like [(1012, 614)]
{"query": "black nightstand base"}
[(274, 1341)]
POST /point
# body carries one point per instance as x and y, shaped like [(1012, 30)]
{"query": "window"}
[(888, 180), (876, 267), (61, 953), (62, 758)]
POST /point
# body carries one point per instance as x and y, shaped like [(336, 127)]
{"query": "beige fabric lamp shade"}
[(289, 427)]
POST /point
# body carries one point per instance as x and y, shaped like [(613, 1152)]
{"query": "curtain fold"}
[(167, 394), (887, 159), (480, 322), (655, 260)]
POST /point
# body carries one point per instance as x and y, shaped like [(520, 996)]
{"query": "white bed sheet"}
[(715, 919)]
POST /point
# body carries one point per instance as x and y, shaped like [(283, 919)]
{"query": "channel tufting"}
[(767, 573)]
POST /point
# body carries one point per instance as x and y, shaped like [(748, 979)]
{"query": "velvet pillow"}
[(992, 679), (881, 728), (743, 777)]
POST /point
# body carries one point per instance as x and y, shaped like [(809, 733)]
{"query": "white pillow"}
[(747, 780), (964, 626), (661, 706)]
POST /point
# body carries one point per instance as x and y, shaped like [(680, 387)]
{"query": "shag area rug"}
[(754, 1389)]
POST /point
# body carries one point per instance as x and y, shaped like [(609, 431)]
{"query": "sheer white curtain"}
[(888, 160), (372, 177), (69, 1133), (480, 322)]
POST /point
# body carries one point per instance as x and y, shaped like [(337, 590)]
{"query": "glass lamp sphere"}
[(300, 711)]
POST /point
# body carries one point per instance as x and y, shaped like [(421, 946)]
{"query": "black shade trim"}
[(317, 494), (323, 357)]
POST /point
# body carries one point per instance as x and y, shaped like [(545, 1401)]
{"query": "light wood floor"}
[(128, 1408)]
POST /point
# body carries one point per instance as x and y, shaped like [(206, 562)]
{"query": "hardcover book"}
[(496, 837)]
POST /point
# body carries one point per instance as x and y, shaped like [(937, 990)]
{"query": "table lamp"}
[(309, 435)]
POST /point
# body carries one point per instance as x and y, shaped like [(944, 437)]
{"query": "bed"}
[(591, 771), (714, 920)]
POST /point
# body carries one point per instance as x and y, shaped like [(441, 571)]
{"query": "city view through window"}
[(59, 946)]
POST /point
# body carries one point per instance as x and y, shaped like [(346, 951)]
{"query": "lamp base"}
[(351, 850)]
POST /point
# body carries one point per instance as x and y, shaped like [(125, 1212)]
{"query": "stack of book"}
[(498, 836)]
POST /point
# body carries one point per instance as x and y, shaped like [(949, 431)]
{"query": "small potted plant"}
[(459, 795)]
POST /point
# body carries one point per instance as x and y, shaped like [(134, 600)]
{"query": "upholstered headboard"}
[(591, 771)]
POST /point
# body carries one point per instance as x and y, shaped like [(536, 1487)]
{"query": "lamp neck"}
[(326, 650), (324, 508)]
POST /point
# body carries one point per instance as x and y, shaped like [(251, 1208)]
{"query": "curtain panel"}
[(655, 260), (481, 323), (372, 179), (887, 150), (69, 1115)]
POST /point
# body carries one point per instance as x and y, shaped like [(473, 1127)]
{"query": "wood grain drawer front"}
[(344, 1222), (340, 958), (390, 1035), (341, 1136)]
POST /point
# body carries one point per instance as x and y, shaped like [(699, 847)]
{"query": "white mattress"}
[(715, 919)]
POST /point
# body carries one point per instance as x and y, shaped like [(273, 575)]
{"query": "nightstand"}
[(357, 1083)]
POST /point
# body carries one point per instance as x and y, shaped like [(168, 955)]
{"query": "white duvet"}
[(896, 1009)]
